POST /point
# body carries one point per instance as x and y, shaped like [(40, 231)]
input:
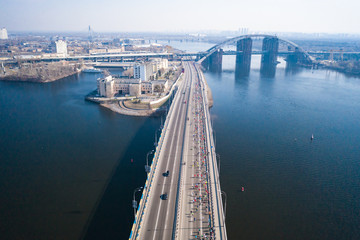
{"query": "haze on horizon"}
[(306, 16)]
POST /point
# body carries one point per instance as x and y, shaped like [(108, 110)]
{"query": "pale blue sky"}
[(340, 16)]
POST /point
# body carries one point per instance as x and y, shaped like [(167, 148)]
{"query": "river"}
[(66, 169)]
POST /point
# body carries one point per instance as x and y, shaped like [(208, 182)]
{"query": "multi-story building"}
[(106, 86), (161, 63), (111, 86), (144, 71), (3, 33), (61, 47)]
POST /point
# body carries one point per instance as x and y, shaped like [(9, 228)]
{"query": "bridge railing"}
[(211, 147)]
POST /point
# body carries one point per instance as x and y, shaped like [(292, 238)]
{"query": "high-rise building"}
[(61, 47), (144, 71), (3, 33)]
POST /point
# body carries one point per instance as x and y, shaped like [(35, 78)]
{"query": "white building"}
[(106, 86), (61, 47), (144, 71), (3, 33), (109, 86), (161, 63)]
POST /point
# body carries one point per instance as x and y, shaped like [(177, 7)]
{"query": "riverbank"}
[(122, 108), (136, 106), (40, 72)]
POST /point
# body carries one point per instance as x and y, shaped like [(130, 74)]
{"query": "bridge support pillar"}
[(296, 58), (270, 48), (243, 57), (205, 64), (215, 61)]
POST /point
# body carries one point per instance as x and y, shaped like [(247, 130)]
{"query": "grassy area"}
[(136, 104)]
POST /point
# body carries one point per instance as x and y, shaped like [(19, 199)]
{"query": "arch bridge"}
[(295, 55)]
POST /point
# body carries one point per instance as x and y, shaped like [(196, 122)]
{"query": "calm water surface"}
[(295, 188), (58, 153), (66, 172)]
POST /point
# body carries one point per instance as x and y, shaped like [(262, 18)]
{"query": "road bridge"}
[(212, 58), (182, 196)]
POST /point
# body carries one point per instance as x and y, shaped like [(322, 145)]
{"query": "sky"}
[(309, 16)]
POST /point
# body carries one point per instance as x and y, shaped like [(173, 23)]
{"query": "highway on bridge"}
[(186, 202)]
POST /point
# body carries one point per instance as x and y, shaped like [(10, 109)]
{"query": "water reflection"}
[(292, 69), (263, 130)]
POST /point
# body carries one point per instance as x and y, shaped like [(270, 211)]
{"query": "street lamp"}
[(134, 202), (214, 137), (224, 194), (156, 141), (147, 167), (161, 121), (218, 156)]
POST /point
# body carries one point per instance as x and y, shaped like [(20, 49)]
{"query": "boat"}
[(312, 137), (91, 70)]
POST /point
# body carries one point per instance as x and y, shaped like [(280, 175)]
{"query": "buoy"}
[(242, 189), (132, 160)]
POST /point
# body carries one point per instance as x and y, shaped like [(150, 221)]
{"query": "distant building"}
[(106, 50), (61, 47), (161, 63), (3, 34)]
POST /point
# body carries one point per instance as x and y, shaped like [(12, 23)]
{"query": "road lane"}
[(193, 209), (159, 218)]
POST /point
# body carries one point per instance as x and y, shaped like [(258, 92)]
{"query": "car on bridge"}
[(166, 174), (164, 196)]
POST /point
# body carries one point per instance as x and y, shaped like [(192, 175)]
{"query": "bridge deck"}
[(193, 207)]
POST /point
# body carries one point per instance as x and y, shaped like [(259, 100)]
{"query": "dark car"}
[(163, 196), (165, 174)]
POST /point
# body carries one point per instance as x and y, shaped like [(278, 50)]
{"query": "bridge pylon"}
[(243, 57), (215, 61), (270, 48)]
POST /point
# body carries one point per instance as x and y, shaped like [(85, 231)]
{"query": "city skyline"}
[(186, 16)]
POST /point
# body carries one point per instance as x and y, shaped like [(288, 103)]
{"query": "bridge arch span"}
[(210, 51)]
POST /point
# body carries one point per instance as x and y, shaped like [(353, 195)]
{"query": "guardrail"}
[(212, 151)]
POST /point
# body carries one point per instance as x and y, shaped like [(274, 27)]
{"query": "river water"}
[(66, 170)]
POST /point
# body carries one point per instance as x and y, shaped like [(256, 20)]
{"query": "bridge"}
[(212, 58), (182, 198)]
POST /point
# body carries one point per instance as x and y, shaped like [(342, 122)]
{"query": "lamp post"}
[(224, 194), (134, 202), (156, 141), (218, 156), (161, 121), (147, 167), (214, 137)]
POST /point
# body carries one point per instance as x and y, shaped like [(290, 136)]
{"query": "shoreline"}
[(118, 106), (13, 78)]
